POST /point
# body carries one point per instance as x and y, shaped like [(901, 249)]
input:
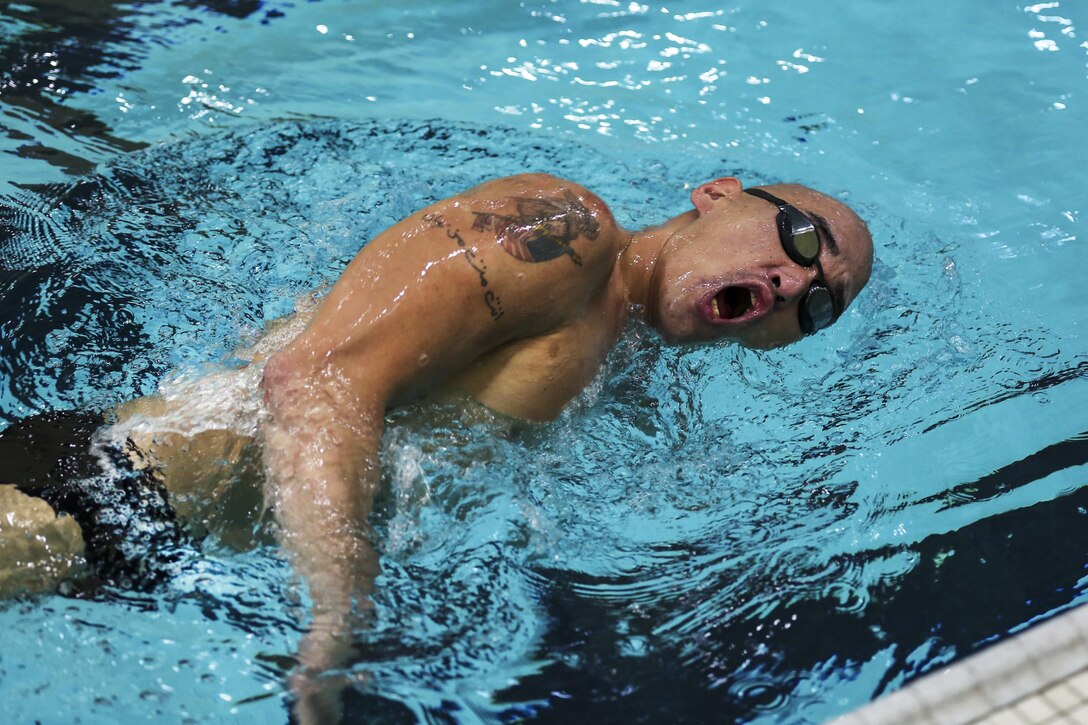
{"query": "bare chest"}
[(535, 378)]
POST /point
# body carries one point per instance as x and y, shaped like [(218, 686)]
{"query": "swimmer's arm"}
[(321, 465), (323, 462), (418, 304)]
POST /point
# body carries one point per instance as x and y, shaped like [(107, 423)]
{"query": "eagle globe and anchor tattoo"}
[(541, 229)]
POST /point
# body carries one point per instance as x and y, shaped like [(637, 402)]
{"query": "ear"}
[(705, 196)]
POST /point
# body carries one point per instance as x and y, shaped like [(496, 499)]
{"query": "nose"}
[(791, 284)]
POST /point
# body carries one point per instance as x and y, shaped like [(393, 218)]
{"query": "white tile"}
[(1078, 716), (1079, 618), (1065, 662), (1035, 709), (1079, 614), (952, 695), (1063, 697), (1004, 717), (1058, 649), (968, 707), (1079, 682), (1002, 679), (944, 684)]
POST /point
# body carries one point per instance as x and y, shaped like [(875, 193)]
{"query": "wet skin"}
[(512, 293)]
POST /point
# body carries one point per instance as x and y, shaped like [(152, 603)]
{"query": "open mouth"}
[(732, 303)]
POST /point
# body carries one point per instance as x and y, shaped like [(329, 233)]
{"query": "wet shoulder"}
[(554, 211)]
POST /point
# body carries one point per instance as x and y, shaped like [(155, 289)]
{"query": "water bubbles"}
[(949, 267), (848, 597), (635, 646), (761, 693), (959, 344)]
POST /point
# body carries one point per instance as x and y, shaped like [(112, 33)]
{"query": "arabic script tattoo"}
[(494, 304), (541, 229)]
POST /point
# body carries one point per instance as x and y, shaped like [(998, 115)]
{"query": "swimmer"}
[(512, 292)]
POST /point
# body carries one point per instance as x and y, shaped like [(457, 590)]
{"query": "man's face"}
[(726, 275)]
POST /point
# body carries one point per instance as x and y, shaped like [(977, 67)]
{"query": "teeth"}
[(753, 296), (714, 306)]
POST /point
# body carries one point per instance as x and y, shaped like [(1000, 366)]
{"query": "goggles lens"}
[(803, 245), (817, 309), (798, 236)]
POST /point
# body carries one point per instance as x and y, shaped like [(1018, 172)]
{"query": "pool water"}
[(705, 534)]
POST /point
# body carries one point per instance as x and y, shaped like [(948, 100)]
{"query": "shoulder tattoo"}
[(541, 229)]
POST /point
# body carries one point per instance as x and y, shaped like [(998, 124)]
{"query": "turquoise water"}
[(710, 534)]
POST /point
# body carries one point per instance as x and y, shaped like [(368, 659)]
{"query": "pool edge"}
[(1039, 675)]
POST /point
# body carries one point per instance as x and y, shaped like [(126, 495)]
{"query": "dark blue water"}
[(706, 534)]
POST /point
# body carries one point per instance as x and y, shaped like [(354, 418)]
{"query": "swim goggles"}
[(798, 236)]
